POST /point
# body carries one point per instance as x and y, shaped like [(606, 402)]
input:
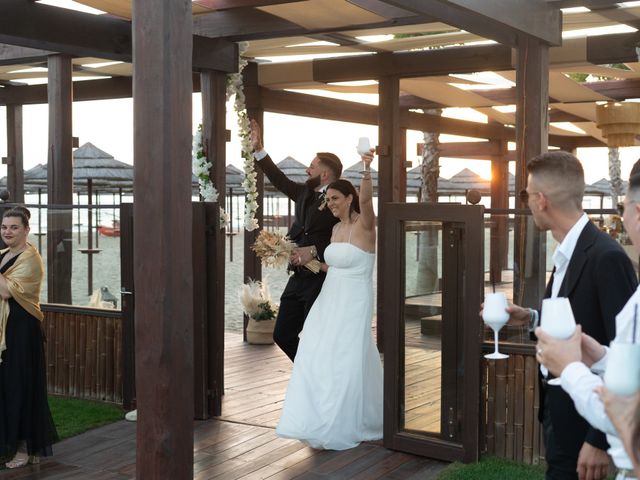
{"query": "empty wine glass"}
[(495, 315), (557, 320), (622, 375), (363, 145)]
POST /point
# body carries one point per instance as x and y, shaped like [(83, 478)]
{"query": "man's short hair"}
[(331, 161), (562, 175), (634, 181)]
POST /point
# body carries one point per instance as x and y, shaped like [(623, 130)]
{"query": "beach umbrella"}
[(466, 180), (354, 176), (602, 187), (414, 183)]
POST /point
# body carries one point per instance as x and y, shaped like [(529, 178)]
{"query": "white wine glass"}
[(363, 148), (363, 145), (557, 320), (622, 375), (496, 316)]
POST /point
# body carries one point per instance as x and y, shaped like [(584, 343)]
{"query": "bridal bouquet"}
[(274, 250)]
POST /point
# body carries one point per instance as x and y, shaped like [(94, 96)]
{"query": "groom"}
[(311, 231)]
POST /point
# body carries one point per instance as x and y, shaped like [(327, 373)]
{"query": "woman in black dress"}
[(26, 426)]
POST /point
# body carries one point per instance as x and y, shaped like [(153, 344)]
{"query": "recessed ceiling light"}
[(71, 5)]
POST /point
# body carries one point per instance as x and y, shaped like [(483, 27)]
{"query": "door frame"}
[(463, 285)]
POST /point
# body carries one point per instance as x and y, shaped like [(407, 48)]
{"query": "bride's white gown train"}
[(334, 399)]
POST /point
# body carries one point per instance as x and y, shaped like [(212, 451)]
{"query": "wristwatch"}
[(313, 251)]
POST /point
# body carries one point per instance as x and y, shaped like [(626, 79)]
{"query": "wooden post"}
[(532, 137), (214, 134), (252, 265), (389, 158), (15, 168), (60, 180), (163, 271), (499, 199), (401, 167)]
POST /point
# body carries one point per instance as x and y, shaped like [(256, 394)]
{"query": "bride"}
[(334, 398)]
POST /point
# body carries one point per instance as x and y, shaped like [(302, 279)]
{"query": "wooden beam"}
[(532, 138), (163, 268), (60, 179), (250, 24), (556, 115), (617, 89), (618, 48), (293, 103), (389, 157), (227, 4), (499, 20), (581, 3), (408, 101), (12, 55), (413, 64), (252, 267), (82, 34), (499, 239), (214, 138), (484, 150), (382, 8), (15, 151), (103, 89)]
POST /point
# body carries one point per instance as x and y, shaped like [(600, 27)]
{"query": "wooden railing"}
[(510, 403), (83, 352)]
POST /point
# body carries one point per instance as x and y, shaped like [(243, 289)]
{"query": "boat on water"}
[(113, 231)]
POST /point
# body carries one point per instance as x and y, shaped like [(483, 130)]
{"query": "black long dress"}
[(24, 408)]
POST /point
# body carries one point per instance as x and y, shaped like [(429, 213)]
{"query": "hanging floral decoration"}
[(235, 87), (201, 168), (201, 165)]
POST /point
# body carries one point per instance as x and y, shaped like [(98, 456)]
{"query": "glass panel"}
[(87, 254), (421, 409)]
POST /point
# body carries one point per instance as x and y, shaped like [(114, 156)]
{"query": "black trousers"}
[(561, 464), (301, 291)]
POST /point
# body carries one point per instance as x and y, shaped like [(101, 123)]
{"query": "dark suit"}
[(311, 226), (598, 282)]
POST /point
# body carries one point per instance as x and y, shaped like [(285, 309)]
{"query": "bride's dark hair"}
[(346, 188)]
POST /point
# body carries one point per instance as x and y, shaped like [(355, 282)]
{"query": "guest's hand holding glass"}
[(559, 339)]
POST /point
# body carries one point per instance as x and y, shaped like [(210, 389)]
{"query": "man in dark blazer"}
[(595, 273), (311, 231)]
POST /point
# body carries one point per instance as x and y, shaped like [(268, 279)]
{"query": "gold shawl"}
[(24, 279)]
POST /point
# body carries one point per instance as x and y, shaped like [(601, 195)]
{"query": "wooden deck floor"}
[(240, 444)]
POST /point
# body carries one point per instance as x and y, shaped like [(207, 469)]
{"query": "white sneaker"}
[(131, 416)]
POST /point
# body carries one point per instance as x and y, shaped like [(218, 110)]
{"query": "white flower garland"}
[(235, 87), (201, 167)]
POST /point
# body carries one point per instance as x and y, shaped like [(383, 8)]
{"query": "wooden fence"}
[(510, 406), (84, 352)]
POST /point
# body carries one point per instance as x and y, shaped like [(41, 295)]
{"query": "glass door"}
[(433, 264)]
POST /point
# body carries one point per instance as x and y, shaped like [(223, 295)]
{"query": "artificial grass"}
[(72, 416), (491, 468)]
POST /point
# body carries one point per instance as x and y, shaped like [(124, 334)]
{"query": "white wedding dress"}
[(334, 399)]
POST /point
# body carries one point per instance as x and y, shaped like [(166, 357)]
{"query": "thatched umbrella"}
[(354, 176), (414, 183)]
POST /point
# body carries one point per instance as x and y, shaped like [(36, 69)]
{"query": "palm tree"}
[(427, 279)]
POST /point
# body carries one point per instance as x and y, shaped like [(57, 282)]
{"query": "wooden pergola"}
[(159, 44)]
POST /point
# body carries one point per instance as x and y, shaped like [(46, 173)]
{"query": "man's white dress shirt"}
[(579, 381)]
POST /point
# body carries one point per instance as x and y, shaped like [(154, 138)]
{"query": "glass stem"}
[(495, 340)]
